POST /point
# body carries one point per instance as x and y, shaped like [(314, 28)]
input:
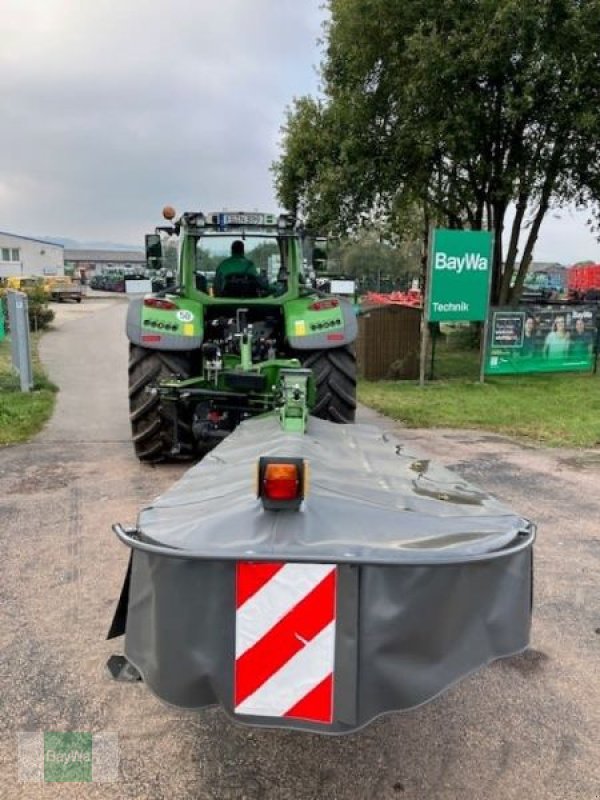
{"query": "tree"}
[(376, 264), (462, 109), (260, 255)]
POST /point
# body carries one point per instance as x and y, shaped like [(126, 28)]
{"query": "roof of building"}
[(106, 256), (31, 239), (544, 266)]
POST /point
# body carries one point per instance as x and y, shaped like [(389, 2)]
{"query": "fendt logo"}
[(469, 262)]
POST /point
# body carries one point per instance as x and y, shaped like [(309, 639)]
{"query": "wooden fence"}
[(388, 343)]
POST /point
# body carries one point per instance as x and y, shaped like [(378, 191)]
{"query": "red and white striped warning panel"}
[(285, 640)]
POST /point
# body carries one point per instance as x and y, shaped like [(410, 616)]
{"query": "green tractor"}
[(212, 348)]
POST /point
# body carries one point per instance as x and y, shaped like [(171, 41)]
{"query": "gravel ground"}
[(523, 727)]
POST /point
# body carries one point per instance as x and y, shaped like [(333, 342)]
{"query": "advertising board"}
[(460, 267), (541, 339)]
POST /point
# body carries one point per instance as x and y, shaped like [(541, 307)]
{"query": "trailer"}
[(62, 289), (315, 576)]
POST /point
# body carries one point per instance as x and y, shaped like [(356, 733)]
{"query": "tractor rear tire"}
[(152, 422), (335, 378)]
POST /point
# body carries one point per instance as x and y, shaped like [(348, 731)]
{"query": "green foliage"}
[(259, 255), (448, 112), (40, 315), (371, 261), (543, 408), (464, 336), (23, 414)]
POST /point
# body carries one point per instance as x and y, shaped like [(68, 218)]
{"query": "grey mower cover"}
[(433, 577)]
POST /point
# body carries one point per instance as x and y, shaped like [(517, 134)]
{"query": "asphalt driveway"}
[(526, 727)]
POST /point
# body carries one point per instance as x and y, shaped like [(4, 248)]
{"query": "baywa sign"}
[(460, 267)]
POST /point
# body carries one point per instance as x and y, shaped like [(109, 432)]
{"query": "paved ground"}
[(527, 727)]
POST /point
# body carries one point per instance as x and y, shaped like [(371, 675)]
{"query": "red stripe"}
[(303, 622), (252, 576), (317, 705)]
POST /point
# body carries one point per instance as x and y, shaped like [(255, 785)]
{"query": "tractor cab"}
[(250, 256)]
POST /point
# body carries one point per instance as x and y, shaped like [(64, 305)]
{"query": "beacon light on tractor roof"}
[(169, 213), (282, 483)]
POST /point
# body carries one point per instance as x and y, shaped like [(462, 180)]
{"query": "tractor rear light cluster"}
[(282, 483), (323, 305), (159, 302)]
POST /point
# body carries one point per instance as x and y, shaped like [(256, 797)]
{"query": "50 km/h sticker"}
[(183, 315), (460, 268)]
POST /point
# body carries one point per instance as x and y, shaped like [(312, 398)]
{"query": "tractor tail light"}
[(281, 483), (323, 305), (159, 302)]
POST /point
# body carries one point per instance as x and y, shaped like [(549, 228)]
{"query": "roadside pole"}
[(424, 344), (483, 348), (18, 317), (425, 314)]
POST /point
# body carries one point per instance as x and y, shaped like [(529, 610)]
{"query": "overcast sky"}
[(109, 110)]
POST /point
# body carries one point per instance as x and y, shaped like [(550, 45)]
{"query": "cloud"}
[(111, 110)]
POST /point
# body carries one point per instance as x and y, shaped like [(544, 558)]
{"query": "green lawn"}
[(559, 409), (23, 414)]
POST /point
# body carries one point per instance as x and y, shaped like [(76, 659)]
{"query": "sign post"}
[(458, 281), (18, 318)]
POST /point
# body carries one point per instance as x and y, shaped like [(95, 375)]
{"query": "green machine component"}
[(236, 331)]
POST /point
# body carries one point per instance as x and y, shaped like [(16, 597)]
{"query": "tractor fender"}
[(327, 340), (155, 339)]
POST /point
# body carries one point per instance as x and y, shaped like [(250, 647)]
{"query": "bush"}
[(464, 337), (40, 316)]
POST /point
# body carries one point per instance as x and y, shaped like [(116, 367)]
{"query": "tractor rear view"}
[(212, 349)]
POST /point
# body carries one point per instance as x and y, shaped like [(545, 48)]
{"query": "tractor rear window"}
[(230, 266)]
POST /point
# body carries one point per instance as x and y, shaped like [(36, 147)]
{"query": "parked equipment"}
[(61, 289)]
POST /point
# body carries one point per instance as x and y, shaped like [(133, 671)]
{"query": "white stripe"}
[(274, 600), (302, 673)]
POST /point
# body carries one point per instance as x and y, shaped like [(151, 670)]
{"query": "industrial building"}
[(26, 256), (95, 262)]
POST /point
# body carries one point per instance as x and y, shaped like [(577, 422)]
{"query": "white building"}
[(21, 255)]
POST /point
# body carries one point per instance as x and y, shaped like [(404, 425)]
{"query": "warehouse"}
[(95, 262), (23, 255)]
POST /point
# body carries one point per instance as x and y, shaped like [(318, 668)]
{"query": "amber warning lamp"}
[(282, 483), (169, 213)]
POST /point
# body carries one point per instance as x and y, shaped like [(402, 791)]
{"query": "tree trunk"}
[(513, 249), (425, 251), (499, 212), (547, 189)]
